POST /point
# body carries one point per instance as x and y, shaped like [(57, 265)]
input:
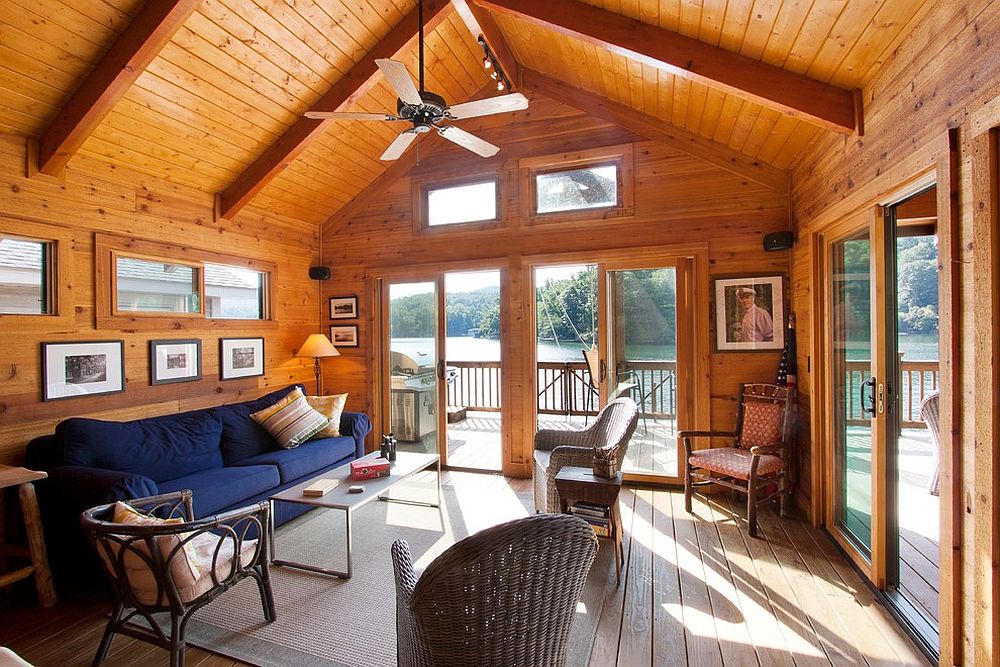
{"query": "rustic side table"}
[(580, 484), (22, 478)]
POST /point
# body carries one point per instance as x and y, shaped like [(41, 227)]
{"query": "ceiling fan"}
[(426, 110)]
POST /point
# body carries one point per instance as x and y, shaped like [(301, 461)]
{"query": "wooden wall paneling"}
[(99, 197)]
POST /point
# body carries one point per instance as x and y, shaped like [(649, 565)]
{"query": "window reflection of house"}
[(22, 286), (577, 189), (148, 286)]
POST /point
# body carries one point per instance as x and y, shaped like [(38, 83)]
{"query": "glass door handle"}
[(868, 391), (440, 370), (603, 372)]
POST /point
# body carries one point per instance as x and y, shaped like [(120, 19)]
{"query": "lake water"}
[(922, 347)]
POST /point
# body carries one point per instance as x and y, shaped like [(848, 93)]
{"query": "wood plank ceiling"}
[(239, 73)]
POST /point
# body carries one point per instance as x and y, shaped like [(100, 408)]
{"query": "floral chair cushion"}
[(734, 462), (762, 423)]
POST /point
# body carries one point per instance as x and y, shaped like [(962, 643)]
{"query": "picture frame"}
[(82, 368), (177, 360), (344, 336), (749, 313), (343, 307), (240, 358)]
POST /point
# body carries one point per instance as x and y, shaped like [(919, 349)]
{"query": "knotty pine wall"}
[(945, 75), (678, 200), (94, 196)]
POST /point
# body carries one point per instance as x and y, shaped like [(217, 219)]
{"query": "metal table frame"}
[(343, 472)]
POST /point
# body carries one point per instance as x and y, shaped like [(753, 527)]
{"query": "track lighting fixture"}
[(490, 63)]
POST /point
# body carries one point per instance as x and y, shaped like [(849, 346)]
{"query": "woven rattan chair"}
[(757, 461), (930, 412), (607, 437), (175, 568), (504, 596)]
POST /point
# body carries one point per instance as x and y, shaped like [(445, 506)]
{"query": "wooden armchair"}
[(757, 462), (160, 560)]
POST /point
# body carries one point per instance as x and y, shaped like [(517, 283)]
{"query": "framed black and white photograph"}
[(174, 361), (241, 357), (749, 313), (344, 336), (85, 368), (343, 307)]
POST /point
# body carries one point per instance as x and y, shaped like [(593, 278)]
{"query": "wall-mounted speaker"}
[(319, 272), (778, 241)]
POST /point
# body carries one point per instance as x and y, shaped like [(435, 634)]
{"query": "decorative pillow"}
[(332, 407), (291, 421), (184, 569), (762, 423)]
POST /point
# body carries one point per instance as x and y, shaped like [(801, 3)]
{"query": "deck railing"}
[(917, 379), (564, 387)]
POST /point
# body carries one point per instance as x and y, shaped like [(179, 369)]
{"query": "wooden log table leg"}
[(36, 545)]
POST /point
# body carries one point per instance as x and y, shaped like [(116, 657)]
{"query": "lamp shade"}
[(317, 345)]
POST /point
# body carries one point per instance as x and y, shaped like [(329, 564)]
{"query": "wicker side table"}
[(581, 484), (22, 478)]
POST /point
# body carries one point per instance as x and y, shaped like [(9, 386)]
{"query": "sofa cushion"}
[(291, 421), (214, 490), (158, 447), (307, 458), (332, 407), (242, 436)]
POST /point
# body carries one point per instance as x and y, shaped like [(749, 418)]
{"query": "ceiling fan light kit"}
[(427, 111)]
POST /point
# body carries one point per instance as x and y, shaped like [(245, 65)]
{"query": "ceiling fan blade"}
[(470, 141), (349, 115), (491, 105), (399, 78), (399, 144)]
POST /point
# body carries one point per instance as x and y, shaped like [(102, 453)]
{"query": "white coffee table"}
[(406, 465)]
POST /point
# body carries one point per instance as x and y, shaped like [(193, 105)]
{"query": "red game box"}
[(369, 468)]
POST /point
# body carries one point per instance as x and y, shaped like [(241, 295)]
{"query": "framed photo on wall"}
[(343, 307), (749, 313), (174, 361), (241, 357), (344, 336), (85, 368)]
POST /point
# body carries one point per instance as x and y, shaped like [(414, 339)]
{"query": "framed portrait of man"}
[(749, 313)]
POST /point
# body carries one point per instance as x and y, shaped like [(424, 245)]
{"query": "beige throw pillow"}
[(331, 407)]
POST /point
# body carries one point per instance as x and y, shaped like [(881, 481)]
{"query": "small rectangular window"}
[(153, 286), (469, 202), (233, 292), (25, 277), (575, 189)]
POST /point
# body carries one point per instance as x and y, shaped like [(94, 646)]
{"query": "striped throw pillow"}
[(291, 421)]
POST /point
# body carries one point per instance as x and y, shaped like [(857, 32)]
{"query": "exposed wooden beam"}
[(481, 23), (655, 129), (349, 88), (127, 58), (424, 145), (819, 103)]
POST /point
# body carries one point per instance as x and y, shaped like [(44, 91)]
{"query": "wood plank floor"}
[(696, 590)]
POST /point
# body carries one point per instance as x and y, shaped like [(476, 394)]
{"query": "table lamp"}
[(316, 346)]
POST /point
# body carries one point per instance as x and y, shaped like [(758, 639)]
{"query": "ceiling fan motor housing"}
[(424, 116)]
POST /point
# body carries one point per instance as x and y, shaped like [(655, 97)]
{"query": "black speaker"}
[(778, 241), (319, 272)]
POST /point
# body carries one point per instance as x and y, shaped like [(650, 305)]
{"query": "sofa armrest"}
[(82, 487), (357, 425)]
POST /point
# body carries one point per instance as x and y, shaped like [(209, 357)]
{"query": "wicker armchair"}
[(609, 436), (504, 596), (757, 461), (159, 560), (930, 412)]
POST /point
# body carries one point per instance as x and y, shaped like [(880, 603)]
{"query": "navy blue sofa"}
[(220, 453)]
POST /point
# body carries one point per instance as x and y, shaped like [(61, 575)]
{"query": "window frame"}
[(421, 194), (57, 277), (108, 247), (620, 156)]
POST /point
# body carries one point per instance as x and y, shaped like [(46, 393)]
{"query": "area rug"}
[(327, 621)]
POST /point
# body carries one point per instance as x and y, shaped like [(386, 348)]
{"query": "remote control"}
[(356, 489)]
